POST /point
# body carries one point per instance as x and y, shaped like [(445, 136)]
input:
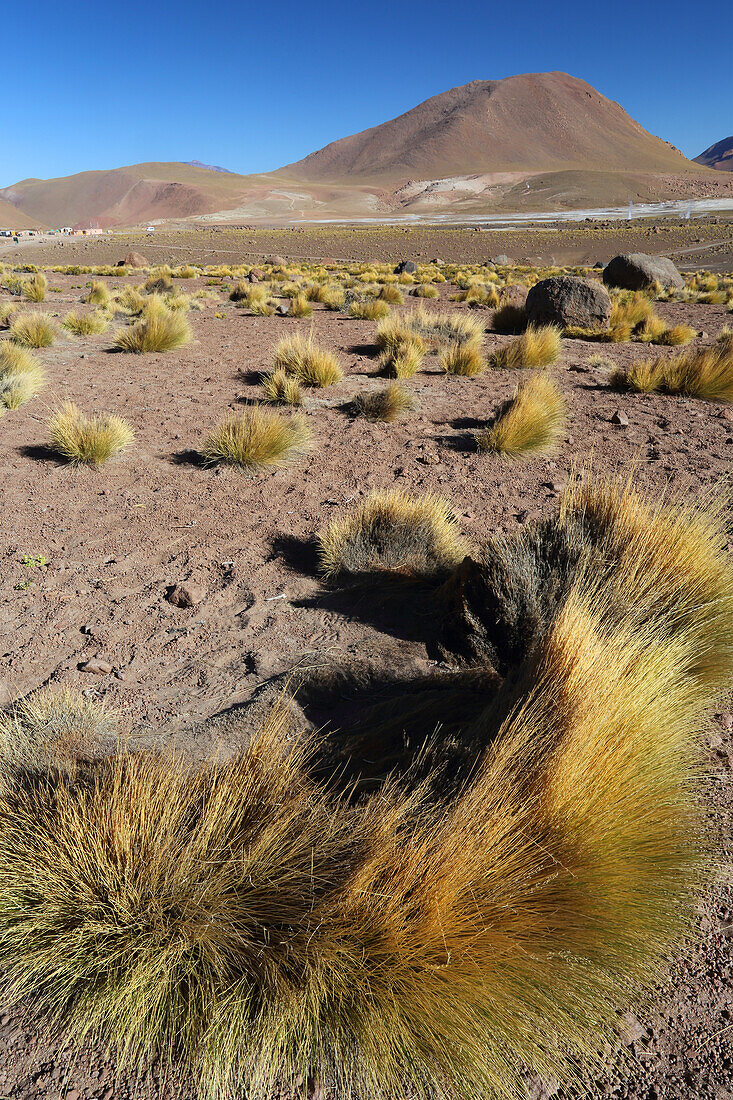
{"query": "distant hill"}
[(719, 156), (208, 167), (534, 122), (535, 142), (124, 196), (12, 218)]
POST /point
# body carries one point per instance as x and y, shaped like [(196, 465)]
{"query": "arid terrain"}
[(92, 556), (535, 141)]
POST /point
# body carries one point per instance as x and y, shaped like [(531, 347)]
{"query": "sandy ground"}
[(116, 540)]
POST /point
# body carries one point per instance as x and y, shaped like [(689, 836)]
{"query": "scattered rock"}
[(620, 419), (726, 720), (277, 261), (405, 267), (133, 259), (637, 270), (282, 309), (97, 666), (514, 294), (256, 275), (565, 300), (501, 260), (185, 595)]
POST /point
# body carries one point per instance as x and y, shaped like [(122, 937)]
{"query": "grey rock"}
[(405, 267), (565, 300), (637, 270)]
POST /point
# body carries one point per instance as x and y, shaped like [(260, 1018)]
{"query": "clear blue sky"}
[(255, 85)]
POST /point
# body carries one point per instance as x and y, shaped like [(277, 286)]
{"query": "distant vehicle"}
[(150, 229), (6, 232)]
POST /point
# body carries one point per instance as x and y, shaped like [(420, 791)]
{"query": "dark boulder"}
[(637, 271), (564, 300), (405, 267)]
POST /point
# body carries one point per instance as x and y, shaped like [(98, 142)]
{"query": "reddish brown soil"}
[(117, 539), (705, 243)]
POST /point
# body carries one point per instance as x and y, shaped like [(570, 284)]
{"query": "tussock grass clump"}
[(510, 320), (392, 532), (54, 727), (313, 366), (300, 307), (258, 301), (374, 310), (530, 423), (401, 351), (34, 289), (417, 945), (465, 360), (386, 404), (6, 311), (392, 294), (21, 375), (281, 388), (87, 439), (84, 324), (158, 283), (257, 437), (425, 290), (159, 330), (706, 373), (536, 347), (129, 300), (675, 336), (444, 328), (33, 330), (99, 294), (332, 297)]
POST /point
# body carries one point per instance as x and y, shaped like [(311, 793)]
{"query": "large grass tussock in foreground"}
[(417, 942), (257, 437)]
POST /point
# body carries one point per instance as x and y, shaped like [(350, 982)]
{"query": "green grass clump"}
[(257, 437), (33, 330), (87, 440), (84, 324), (530, 423), (159, 330), (386, 404), (536, 347)]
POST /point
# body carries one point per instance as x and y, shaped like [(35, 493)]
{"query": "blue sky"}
[(253, 86)]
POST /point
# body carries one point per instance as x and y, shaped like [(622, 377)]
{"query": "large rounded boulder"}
[(637, 271), (566, 301)]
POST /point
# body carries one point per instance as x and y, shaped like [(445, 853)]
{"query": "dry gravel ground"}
[(704, 242), (117, 539)]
